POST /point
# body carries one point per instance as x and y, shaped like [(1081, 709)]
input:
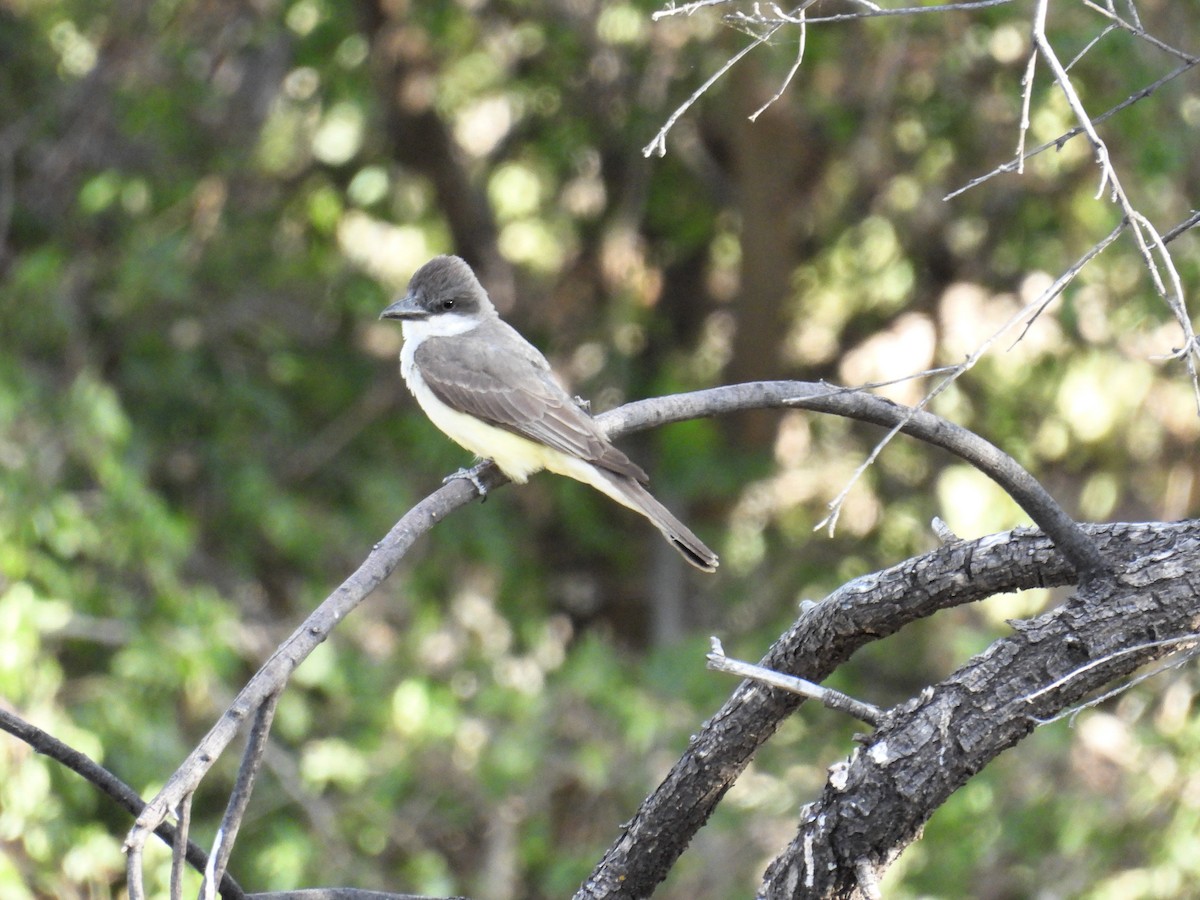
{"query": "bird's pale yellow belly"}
[(518, 457)]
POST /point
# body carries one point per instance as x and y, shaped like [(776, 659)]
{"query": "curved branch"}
[(932, 745), (854, 403), (386, 555), (822, 638)]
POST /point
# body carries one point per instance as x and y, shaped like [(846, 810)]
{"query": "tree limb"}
[(108, 783), (879, 801), (874, 606), (857, 404), (386, 555)]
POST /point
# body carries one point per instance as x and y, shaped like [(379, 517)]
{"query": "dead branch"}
[(1151, 558), (270, 680)]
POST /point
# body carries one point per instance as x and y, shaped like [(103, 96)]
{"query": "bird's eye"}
[(448, 304)]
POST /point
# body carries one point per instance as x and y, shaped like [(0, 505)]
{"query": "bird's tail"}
[(631, 493)]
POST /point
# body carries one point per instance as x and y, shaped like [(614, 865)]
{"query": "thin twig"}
[(1135, 28), (787, 80), (1088, 47), (1074, 674), (1062, 139), (659, 144), (838, 503), (1186, 225), (239, 798), (179, 846), (1173, 661), (1026, 101), (1137, 19), (686, 9), (876, 12), (1061, 283), (831, 699), (1141, 226)]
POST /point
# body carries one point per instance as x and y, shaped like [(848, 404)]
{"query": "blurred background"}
[(203, 208)]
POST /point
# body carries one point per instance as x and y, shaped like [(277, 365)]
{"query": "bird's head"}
[(444, 286)]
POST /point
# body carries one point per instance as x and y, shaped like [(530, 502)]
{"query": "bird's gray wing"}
[(512, 387)]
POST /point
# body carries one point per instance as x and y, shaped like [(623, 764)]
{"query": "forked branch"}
[(934, 743), (270, 680)]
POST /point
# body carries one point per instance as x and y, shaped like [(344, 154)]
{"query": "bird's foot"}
[(585, 405), (471, 475)]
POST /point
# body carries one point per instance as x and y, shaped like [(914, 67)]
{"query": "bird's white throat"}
[(446, 324)]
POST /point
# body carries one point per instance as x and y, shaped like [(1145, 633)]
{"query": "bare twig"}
[(239, 798), (1087, 48), (872, 11), (787, 79), (1186, 225), (1141, 649), (658, 146), (1017, 165), (1135, 28), (183, 815), (827, 697), (1174, 661), (1146, 236), (686, 9), (762, 27), (1026, 100), (1046, 297)]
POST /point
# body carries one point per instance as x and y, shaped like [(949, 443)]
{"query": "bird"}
[(493, 393)]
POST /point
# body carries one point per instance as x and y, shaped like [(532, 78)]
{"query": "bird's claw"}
[(471, 475)]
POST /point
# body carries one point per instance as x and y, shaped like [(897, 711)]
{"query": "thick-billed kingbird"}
[(493, 392)]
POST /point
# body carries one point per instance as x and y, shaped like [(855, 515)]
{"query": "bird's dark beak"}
[(404, 308)]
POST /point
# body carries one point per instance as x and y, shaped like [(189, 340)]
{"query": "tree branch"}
[(108, 783), (274, 674), (866, 609), (932, 745), (857, 404)]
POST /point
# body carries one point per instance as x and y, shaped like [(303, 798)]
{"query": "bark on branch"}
[(1081, 555), (1152, 597), (877, 804)]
